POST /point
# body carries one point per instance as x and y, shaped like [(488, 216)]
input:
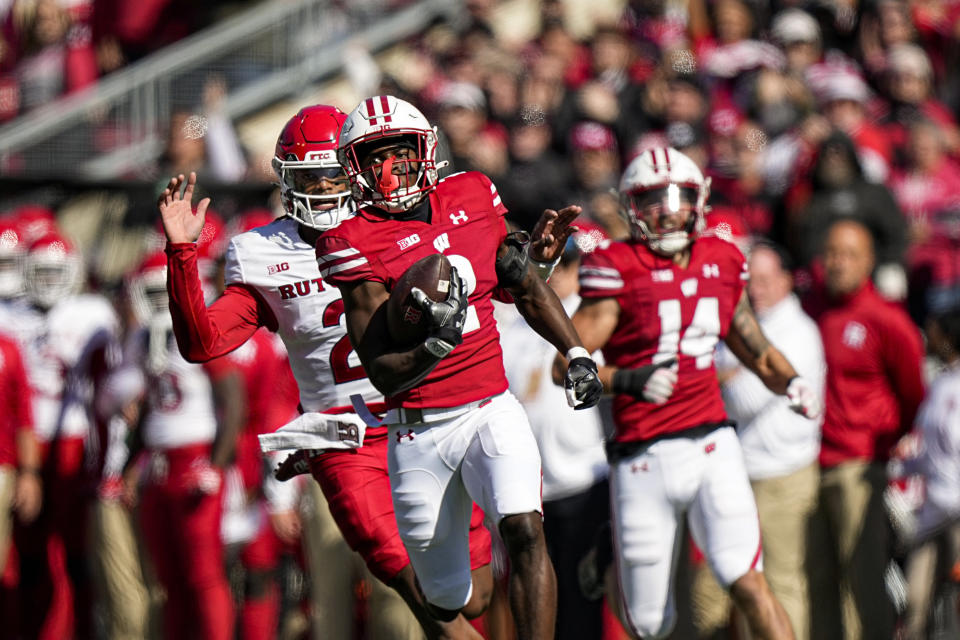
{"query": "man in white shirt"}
[(575, 491), (780, 447)]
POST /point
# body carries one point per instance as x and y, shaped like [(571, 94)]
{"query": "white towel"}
[(317, 431)]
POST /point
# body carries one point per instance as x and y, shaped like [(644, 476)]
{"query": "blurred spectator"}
[(911, 91), (933, 536), (475, 144), (575, 492), (841, 192), (873, 388), (595, 161), (539, 177), (798, 34), (736, 170), (928, 191), (779, 447)]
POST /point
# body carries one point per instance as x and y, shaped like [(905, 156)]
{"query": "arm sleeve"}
[(203, 333), (342, 263), (21, 406), (600, 277), (903, 358)]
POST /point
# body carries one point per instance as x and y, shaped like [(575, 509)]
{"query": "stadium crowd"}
[(829, 133)]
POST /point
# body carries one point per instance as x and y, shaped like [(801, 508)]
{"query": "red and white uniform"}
[(65, 350), (467, 226), (15, 396), (273, 281), (666, 312), (471, 438), (180, 519)]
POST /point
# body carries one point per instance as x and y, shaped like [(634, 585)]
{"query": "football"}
[(406, 322)]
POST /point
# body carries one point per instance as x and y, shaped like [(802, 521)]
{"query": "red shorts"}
[(357, 487)]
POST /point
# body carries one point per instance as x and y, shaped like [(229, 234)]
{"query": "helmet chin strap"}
[(388, 182)]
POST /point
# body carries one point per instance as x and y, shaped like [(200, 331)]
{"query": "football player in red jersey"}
[(272, 280), (456, 434), (663, 299)]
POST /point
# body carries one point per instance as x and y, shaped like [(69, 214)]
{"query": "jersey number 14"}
[(699, 337)]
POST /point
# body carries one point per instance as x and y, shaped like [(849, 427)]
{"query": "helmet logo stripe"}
[(653, 160), (386, 109)]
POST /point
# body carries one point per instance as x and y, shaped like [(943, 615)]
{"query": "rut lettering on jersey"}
[(300, 288)]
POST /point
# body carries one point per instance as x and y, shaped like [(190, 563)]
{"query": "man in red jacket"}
[(874, 386)]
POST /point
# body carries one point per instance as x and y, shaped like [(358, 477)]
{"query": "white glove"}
[(660, 385), (803, 399)]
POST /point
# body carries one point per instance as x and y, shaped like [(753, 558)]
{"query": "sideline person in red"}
[(874, 387)]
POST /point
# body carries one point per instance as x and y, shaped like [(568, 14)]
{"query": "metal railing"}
[(269, 52)]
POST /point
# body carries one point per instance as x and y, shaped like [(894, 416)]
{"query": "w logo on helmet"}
[(371, 108)]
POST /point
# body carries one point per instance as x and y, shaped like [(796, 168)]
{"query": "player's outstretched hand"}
[(581, 383), (652, 383), (446, 318), (803, 398), (180, 223), (551, 232)]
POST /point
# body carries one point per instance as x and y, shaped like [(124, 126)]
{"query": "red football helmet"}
[(314, 189), (147, 288), (53, 269), (13, 248), (35, 221)]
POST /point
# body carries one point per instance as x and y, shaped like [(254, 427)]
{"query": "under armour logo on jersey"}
[(634, 468), (711, 271), (409, 241), (854, 335), (281, 239), (710, 448), (401, 435), (661, 275), (384, 114), (458, 217), (441, 243), (689, 287)]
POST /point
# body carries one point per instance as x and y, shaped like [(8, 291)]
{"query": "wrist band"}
[(543, 269), (577, 352)]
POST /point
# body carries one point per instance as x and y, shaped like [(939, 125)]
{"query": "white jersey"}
[(282, 268), (938, 458), (180, 409), (570, 442), (56, 347)]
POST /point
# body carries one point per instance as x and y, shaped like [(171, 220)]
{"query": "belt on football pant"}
[(617, 451), (404, 415)]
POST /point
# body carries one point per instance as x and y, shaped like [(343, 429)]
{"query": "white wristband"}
[(577, 352), (543, 269)]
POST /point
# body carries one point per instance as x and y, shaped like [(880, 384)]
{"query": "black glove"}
[(581, 383), (651, 383), (445, 319)]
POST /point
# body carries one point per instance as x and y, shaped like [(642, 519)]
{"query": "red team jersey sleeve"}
[(16, 395), (205, 332), (467, 226), (667, 312)]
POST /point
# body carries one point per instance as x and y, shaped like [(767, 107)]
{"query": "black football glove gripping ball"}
[(446, 319), (581, 383)]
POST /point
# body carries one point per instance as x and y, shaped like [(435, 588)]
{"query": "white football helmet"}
[(656, 189), (379, 121), (147, 289), (53, 270)]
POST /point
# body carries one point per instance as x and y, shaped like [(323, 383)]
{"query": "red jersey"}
[(874, 377), (667, 312), (467, 226), (15, 396)]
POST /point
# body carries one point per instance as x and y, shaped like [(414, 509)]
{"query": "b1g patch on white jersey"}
[(282, 268)]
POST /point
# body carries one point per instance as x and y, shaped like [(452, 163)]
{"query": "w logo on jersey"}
[(441, 243), (371, 108)]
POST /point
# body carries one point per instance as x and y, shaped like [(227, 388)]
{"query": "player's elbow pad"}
[(512, 262)]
